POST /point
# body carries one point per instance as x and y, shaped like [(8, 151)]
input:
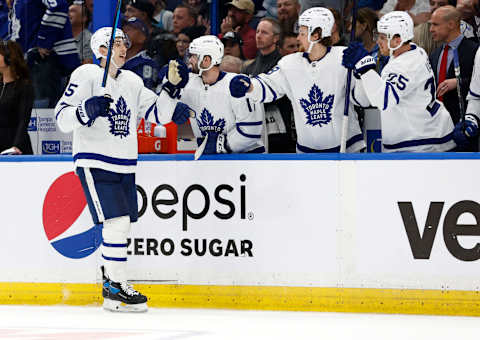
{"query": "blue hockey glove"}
[(239, 86), (356, 58), (466, 131), (216, 143), (181, 113), (93, 107)]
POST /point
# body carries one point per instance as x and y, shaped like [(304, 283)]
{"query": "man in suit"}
[(445, 27)]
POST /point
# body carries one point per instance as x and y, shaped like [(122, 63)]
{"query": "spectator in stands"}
[(267, 37), (288, 11), (16, 100), (183, 16), (43, 30), (231, 64), (288, 43), (137, 59), (79, 18), (233, 45), (422, 35), (240, 13), (278, 114), (364, 32), (161, 44), (185, 37), (143, 10), (196, 5), (419, 10), (337, 37), (163, 17), (445, 27)]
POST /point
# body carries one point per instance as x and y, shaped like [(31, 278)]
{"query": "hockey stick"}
[(112, 40), (343, 141), (200, 149), (456, 65)]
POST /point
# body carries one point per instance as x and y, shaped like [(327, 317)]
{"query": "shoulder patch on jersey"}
[(318, 109), (206, 123), (120, 119)]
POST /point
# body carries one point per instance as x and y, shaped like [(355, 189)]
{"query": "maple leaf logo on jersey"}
[(206, 123), (120, 119), (317, 109)]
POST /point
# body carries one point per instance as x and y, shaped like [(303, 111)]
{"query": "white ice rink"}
[(84, 323)]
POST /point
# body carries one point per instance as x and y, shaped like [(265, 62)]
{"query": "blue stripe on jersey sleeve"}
[(239, 125), (263, 89), (273, 92)]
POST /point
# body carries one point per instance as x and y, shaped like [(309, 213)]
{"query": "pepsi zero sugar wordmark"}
[(63, 205)]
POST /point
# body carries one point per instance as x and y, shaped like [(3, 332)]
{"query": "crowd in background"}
[(54, 37)]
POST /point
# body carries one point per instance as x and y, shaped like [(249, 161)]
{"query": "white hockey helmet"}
[(207, 45), (393, 23), (317, 17), (102, 38)]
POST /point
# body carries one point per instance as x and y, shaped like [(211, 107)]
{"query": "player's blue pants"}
[(109, 194)]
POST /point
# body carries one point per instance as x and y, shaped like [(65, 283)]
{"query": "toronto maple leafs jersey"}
[(45, 24), (473, 96), (111, 142), (317, 92), (411, 117), (217, 111)]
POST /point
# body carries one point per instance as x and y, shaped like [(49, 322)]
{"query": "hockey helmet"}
[(207, 45), (102, 38), (317, 17), (393, 23)]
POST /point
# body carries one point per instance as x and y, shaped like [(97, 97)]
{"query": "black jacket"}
[(16, 101), (466, 56)]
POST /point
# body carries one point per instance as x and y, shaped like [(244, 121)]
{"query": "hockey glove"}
[(239, 86), (176, 73), (466, 131), (182, 113), (93, 107), (216, 143), (356, 58)]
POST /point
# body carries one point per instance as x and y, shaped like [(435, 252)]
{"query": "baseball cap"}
[(246, 5), (138, 24), (144, 6), (235, 37)]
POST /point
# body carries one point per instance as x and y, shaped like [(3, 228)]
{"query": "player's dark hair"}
[(327, 41)]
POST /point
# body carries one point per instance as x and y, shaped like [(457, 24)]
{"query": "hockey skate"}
[(123, 298), (105, 283)]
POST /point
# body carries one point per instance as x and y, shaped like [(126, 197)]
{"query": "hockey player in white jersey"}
[(314, 82), (231, 125), (411, 117), (105, 153), (466, 131)]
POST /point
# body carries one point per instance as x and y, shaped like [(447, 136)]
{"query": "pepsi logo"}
[(66, 219)]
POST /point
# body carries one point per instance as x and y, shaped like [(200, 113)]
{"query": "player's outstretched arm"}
[(240, 85)]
